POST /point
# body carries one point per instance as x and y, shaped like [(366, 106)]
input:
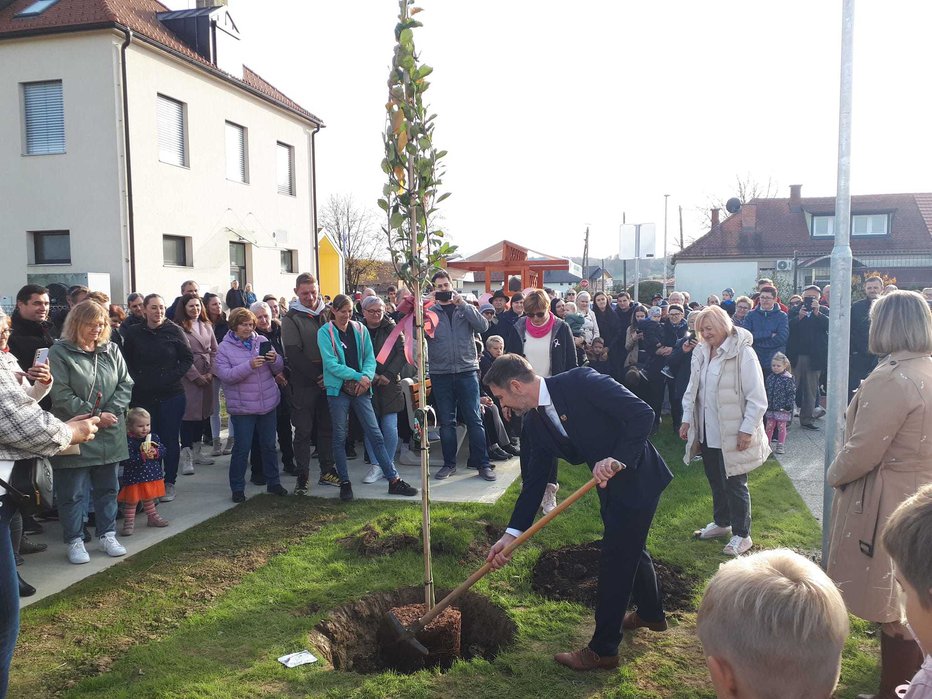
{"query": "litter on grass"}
[(302, 657)]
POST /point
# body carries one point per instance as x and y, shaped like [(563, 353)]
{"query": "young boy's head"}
[(570, 306), (495, 346), (773, 626), (908, 540), (598, 346), (138, 422)]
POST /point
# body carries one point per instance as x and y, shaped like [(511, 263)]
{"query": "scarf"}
[(539, 331), (319, 308)]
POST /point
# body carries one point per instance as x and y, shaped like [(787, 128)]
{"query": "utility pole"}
[(585, 254), (682, 240), (666, 197), (840, 317)]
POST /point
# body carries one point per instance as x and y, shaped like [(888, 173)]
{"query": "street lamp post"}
[(666, 197)]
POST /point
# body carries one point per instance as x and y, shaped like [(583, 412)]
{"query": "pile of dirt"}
[(349, 638), (441, 637), (572, 574), (370, 542)]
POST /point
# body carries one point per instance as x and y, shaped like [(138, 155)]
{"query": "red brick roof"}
[(138, 15), (772, 228)]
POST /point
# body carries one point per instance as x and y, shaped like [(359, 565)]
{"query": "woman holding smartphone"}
[(247, 366), (91, 377)]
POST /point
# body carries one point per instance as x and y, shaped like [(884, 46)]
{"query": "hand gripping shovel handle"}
[(508, 550)]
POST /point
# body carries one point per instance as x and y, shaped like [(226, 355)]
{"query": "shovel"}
[(408, 635)]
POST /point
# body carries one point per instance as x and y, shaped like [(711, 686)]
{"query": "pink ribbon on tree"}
[(406, 326)]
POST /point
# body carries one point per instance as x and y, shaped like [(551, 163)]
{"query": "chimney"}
[(796, 200), (749, 218), (715, 213)]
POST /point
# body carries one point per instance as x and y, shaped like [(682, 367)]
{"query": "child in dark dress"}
[(143, 477)]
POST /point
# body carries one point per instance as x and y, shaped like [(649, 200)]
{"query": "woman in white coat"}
[(723, 419)]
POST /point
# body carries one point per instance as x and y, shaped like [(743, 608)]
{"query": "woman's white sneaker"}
[(109, 543), (77, 554), (712, 531), (375, 473), (738, 545)]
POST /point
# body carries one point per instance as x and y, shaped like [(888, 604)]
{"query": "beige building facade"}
[(125, 157)]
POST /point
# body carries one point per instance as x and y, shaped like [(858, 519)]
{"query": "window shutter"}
[(236, 152), (286, 169), (45, 117), (171, 132)]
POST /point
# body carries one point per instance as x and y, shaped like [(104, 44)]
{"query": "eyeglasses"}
[(675, 313), (488, 313), (538, 315)]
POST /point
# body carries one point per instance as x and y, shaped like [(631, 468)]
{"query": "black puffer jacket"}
[(157, 359), (387, 399), (26, 336)]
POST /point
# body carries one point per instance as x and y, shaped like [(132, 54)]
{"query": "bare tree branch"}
[(747, 187), (354, 229)]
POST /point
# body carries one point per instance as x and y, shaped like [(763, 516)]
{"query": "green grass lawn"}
[(207, 612)]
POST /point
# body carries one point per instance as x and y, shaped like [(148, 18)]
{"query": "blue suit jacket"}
[(602, 419)]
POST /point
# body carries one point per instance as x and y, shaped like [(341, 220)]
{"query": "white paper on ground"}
[(302, 657)]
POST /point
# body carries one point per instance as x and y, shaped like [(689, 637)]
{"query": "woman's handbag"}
[(30, 486)]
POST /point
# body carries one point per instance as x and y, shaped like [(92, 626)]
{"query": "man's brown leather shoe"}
[(587, 659), (633, 621)]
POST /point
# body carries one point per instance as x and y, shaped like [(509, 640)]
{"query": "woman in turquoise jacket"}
[(349, 367)]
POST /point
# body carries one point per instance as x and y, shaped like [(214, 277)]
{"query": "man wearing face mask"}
[(454, 376)]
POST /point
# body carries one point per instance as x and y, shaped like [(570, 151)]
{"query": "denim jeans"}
[(166, 423), (69, 494), (9, 595), (452, 391), (388, 426), (246, 426), (339, 416), (731, 499)]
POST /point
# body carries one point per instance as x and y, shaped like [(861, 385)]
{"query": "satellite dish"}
[(733, 205)]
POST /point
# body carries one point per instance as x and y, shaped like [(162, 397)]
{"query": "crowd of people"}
[(140, 387)]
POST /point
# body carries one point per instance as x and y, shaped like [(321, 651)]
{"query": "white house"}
[(136, 144)]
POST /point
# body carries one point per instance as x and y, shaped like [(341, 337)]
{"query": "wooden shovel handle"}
[(508, 550)]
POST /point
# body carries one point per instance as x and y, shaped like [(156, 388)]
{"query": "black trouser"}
[(626, 571)]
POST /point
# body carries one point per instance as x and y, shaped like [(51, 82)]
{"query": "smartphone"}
[(42, 356), (443, 295), (264, 348), (96, 411)]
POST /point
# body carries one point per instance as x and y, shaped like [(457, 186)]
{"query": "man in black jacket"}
[(30, 329), (236, 297), (807, 350), (862, 361)]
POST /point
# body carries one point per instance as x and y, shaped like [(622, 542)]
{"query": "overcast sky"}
[(557, 115)]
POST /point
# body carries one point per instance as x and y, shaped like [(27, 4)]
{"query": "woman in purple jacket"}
[(252, 396)]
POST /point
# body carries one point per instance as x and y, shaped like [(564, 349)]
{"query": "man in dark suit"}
[(586, 417), (862, 362)]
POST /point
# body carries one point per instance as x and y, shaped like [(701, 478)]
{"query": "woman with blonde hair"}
[(885, 460), (723, 419), (90, 377)]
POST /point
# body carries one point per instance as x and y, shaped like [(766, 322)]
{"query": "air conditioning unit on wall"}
[(783, 265)]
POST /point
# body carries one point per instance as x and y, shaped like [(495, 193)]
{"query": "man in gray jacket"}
[(305, 383), (454, 375)]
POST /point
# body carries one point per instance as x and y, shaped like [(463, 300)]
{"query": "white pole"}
[(637, 262), (840, 318), (666, 197)]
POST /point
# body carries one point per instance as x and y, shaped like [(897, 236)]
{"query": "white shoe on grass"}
[(738, 545), (712, 531)]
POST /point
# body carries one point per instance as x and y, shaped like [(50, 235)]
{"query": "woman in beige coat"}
[(887, 457), (723, 419), (197, 382)]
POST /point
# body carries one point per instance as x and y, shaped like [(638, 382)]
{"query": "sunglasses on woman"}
[(537, 315)]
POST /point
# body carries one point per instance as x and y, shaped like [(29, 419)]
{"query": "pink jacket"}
[(248, 391)]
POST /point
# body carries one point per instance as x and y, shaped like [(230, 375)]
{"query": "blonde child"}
[(772, 626), (908, 540), (143, 477), (781, 397)]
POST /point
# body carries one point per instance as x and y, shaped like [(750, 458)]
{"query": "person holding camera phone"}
[(679, 364), (247, 366), (454, 374), (807, 350)]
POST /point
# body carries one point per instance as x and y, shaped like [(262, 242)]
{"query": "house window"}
[(44, 117), (173, 132), (289, 261), (285, 155), (870, 224), (50, 247), (238, 263), (36, 8), (176, 251), (861, 225), (237, 155)]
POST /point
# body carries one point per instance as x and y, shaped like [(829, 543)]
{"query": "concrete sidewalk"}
[(207, 493), (804, 463)]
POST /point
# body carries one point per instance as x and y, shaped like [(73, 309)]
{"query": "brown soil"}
[(572, 574), (441, 637), (368, 541), (349, 639)]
